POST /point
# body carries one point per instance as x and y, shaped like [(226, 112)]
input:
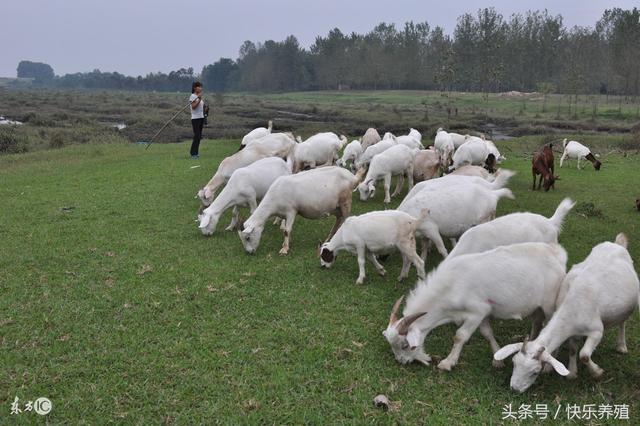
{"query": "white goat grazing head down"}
[(406, 346), (527, 363), (367, 189), (250, 237)]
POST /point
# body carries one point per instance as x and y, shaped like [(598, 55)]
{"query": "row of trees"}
[(485, 52)]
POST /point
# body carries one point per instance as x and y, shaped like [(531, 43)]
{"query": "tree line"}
[(486, 52)]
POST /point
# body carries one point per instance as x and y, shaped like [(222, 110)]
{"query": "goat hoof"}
[(497, 364), (622, 349), (597, 372), (229, 228), (445, 365), (284, 251), (382, 272), (572, 375), (360, 282)]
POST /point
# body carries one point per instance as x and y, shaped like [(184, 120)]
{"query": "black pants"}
[(197, 124)]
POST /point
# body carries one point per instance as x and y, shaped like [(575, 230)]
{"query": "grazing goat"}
[(452, 211), (312, 194), (600, 292), (510, 282), (372, 151), (272, 145), (374, 233), (474, 151), (512, 229), (395, 161), (426, 165), (542, 164), (246, 187), (444, 145), (351, 152), (370, 137), (255, 134), (320, 149), (573, 149)]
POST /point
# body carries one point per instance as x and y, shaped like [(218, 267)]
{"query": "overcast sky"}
[(140, 36)]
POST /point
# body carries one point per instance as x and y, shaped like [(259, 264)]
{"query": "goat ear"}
[(507, 351), (413, 338), (205, 219), (557, 365)]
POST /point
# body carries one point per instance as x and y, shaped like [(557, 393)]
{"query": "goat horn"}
[(394, 311), (403, 327), (524, 344)]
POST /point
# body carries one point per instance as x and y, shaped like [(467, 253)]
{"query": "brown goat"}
[(542, 164)]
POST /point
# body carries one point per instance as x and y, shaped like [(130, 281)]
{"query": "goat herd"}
[(510, 267)]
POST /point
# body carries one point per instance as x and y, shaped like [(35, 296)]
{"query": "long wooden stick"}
[(166, 124)]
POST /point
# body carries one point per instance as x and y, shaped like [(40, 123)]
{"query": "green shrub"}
[(56, 140), (10, 141)]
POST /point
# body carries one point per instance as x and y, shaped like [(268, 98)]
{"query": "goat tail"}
[(502, 178), (270, 126), (621, 240), (504, 193), (561, 212)]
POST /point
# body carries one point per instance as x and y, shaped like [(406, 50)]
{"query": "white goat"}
[(452, 211), (370, 137), (246, 187), (474, 151), (320, 149), (395, 161), (369, 153), (598, 293), (255, 134), (351, 152), (313, 194), (272, 145), (374, 233), (512, 229), (444, 145), (575, 150), (509, 282)]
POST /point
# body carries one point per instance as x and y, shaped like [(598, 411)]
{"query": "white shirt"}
[(199, 111)]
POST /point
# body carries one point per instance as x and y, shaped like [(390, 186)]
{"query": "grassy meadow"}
[(117, 309)]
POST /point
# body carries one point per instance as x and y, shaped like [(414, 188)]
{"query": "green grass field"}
[(115, 307)]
